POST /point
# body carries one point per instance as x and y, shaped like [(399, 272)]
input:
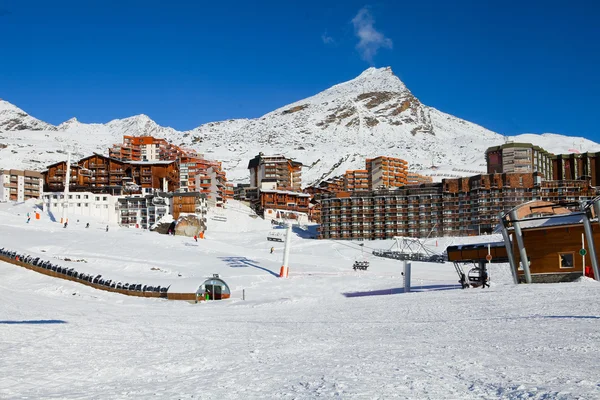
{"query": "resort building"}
[(20, 185), (101, 174), (577, 166), (100, 207), (286, 172), (386, 172), (416, 179), (454, 207), (520, 158)]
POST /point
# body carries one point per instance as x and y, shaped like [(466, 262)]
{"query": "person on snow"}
[(65, 225), (484, 279), (463, 281), (106, 228), (195, 238), (87, 225), (28, 219), (272, 250)]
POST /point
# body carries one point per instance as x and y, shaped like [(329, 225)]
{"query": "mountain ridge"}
[(329, 132)]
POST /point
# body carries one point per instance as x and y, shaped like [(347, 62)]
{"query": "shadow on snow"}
[(243, 262), (34, 322), (384, 292)]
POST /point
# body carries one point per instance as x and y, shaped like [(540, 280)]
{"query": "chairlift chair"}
[(474, 276)]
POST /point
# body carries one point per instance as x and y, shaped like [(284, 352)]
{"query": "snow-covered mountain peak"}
[(12, 118)]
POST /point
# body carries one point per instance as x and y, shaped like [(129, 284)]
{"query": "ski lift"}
[(360, 265), (474, 276), (276, 236)]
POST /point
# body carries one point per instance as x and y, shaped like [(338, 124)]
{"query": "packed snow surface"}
[(325, 332)]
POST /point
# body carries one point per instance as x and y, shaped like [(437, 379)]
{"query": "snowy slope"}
[(326, 332), (330, 132)]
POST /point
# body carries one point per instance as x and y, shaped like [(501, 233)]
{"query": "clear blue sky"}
[(511, 66)]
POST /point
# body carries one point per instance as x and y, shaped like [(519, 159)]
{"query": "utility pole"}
[(67, 182), (283, 272)]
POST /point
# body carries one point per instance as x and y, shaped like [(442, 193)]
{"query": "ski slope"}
[(326, 332)]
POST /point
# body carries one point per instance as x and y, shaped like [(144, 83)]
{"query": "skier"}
[(484, 279), (87, 225), (463, 281), (106, 228), (28, 219), (65, 225), (195, 238), (272, 250)]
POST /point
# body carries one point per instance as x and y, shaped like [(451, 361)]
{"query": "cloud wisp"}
[(327, 39), (370, 40)]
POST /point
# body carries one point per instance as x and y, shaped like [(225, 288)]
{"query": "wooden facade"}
[(555, 250), (284, 201), (101, 174), (188, 203)]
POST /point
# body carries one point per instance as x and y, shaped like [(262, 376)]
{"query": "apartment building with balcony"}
[(144, 211), (101, 174), (577, 166), (20, 185), (145, 148), (416, 179), (356, 180), (286, 172), (454, 207), (386, 172), (520, 158)]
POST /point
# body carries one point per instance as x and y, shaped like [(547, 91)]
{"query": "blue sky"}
[(511, 66)]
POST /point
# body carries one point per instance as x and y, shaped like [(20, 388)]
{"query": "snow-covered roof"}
[(188, 285), (565, 219)]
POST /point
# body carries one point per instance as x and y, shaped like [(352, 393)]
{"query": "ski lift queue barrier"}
[(216, 287)]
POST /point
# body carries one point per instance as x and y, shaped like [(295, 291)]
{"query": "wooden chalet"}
[(281, 201), (101, 174)]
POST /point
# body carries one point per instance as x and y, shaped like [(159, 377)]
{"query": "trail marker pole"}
[(582, 252)]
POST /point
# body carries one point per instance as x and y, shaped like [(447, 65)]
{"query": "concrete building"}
[(386, 172), (454, 207), (20, 185), (85, 206), (286, 172), (145, 148), (577, 166), (416, 179), (519, 158), (355, 180)]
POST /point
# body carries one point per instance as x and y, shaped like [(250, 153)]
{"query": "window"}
[(97, 198), (566, 260), (104, 198), (78, 197), (78, 204), (85, 196)]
